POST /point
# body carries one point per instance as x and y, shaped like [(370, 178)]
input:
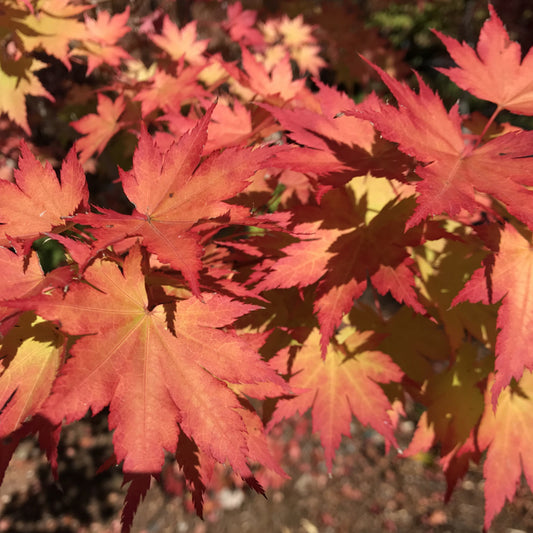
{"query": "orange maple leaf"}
[(172, 192), (99, 127), (168, 93), (294, 37), (107, 29), (181, 43), (102, 34), (278, 82), (308, 59), (345, 384), (25, 278), (37, 201), (506, 434), (495, 73), (230, 125), (158, 372)]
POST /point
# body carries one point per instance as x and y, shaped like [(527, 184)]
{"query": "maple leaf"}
[(25, 278), (305, 261), (172, 192), (102, 34), (308, 160), (338, 251), (99, 127), (308, 59), (30, 355), (400, 282), (329, 123), (17, 79), (98, 54), (452, 171), (137, 489), (495, 73), (313, 127), (52, 28), (345, 384), (454, 404), (298, 188), (48, 441), (168, 93), (507, 278), (37, 202), (230, 126), (182, 43), (240, 25), (277, 83), (295, 38), (107, 29), (507, 436), (172, 369), (295, 32)]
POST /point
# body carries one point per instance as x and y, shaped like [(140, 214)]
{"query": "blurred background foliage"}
[(394, 34)]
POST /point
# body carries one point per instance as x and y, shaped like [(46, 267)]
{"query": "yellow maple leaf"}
[(17, 79)]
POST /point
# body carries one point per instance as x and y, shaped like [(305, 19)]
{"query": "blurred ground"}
[(368, 491)]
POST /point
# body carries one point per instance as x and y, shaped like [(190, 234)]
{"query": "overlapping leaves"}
[(379, 203)]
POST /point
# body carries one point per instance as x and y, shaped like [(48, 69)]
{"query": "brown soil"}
[(368, 491)]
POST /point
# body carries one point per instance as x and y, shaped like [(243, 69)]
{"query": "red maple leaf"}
[(507, 280), (172, 192), (48, 441), (331, 121), (158, 372), (240, 25), (452, 169), (495, 73), (339, 252)]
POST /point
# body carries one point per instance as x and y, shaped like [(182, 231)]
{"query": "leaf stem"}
[(487, 126)]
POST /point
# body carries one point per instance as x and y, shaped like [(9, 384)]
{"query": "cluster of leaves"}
[(270, 218)]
